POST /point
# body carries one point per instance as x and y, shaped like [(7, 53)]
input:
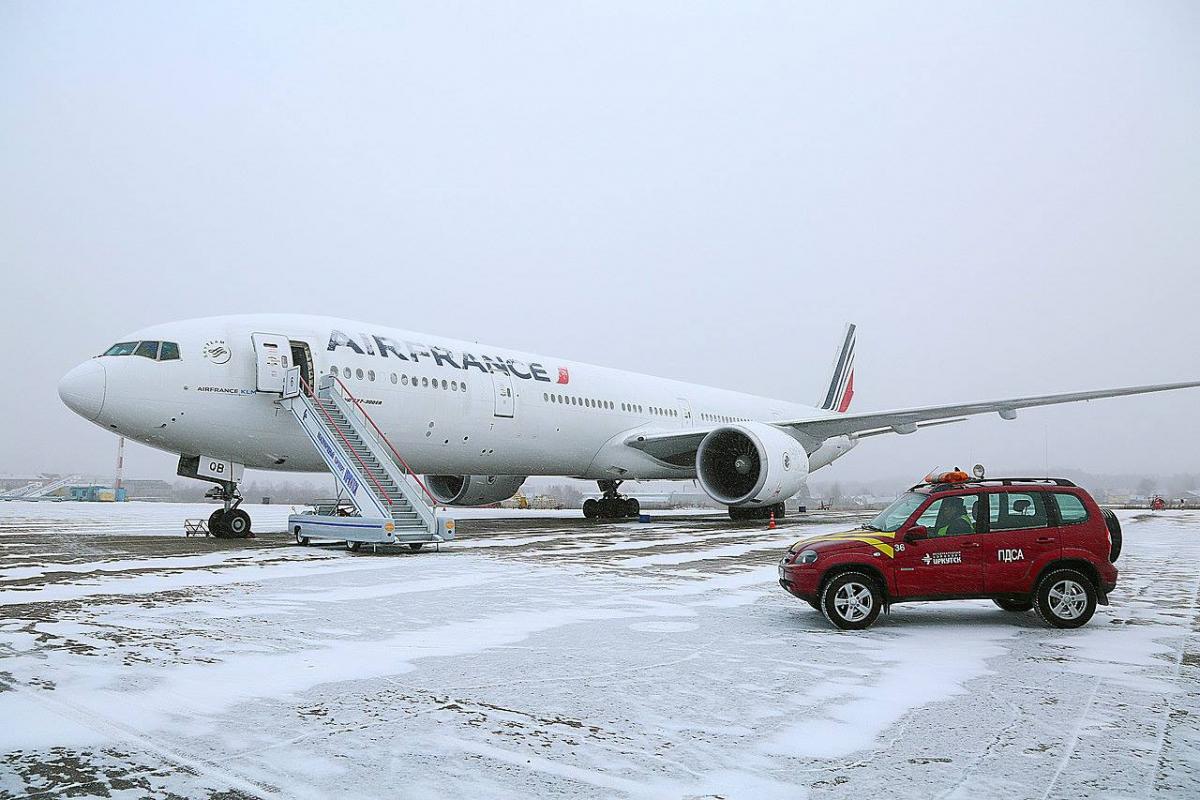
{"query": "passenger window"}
[(346, 373), (1070, 509), (333, 371), (358, 374), (169, 352), (1017, 511), (371, 375), (950, 516), (147, 350)]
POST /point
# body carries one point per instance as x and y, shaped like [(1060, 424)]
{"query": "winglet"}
[(841, 382)]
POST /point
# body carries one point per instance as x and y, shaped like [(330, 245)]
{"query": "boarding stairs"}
[(393, 506), (49, 488)]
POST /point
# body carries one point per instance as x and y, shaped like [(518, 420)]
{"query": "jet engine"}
[(473, 490), (750, 464)]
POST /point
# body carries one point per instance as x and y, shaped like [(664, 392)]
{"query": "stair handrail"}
[(354, 401), (383, 494)]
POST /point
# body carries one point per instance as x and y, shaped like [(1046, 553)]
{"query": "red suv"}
[(1021, 542)]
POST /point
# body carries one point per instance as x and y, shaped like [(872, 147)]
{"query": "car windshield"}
[(892, 517)]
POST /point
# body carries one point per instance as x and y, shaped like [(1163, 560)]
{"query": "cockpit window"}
[(169, 351), (121, 349)]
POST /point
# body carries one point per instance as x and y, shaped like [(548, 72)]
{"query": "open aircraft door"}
[(505, 403), (272, 356)]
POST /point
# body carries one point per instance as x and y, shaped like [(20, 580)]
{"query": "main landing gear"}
[(229, 522), (612, 505), (756, 512)]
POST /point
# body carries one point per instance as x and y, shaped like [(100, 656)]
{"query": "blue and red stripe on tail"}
[(841, 383)]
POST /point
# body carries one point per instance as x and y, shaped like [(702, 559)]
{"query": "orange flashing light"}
[(955, 475)]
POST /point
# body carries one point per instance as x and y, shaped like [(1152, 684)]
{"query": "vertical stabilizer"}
[(841, 383)]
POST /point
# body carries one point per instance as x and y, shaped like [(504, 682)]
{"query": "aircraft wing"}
[(678, 446), (906, 420)]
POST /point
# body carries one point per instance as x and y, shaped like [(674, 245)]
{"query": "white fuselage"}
[(493, 411)]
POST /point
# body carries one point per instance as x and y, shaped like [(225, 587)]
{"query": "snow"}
[(542, 655)]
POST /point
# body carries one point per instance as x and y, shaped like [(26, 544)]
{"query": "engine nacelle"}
[(473, 490), (750, 464)]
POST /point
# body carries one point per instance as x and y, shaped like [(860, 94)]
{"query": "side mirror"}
[(916, 533)]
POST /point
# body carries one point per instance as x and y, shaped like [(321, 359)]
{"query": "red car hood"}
[(859, 538)]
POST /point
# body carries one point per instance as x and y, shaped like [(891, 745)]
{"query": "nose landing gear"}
[(611, 505), (229, 522)]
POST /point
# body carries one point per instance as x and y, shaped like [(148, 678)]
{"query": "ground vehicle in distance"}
[(1024, 543)]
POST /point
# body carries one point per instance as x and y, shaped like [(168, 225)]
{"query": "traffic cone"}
[(771, 524)]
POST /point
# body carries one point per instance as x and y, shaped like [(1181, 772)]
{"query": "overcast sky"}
[(1005, 198)]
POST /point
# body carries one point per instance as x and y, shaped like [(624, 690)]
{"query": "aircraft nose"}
[(82, 389)]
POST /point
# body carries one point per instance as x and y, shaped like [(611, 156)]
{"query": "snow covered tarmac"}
[(542, 656)]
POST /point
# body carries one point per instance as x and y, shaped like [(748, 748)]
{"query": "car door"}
[(941, 565), (1022, 530)]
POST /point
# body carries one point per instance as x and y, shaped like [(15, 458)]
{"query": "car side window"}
[(950, 516), (1017, 511), (1071, 510)]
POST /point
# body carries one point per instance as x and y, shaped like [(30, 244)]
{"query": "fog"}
[(1004, 197)]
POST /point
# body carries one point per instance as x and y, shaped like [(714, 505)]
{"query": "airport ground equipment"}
[(1023, 543), (390, 503), (40, 490), (196, 527)]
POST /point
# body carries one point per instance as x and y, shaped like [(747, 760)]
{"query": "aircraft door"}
[(505, 402), (685, 412), (272, 355)]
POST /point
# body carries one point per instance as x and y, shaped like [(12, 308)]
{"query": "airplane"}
[(477, 420)]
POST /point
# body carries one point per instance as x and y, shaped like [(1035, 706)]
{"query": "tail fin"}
[(841, 383)]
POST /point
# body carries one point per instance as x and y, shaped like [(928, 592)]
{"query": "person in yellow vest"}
[(953, 519)]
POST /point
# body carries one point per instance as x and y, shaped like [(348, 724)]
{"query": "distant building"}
[(96, 494)]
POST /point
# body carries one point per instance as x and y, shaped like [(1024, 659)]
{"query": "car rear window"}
[(1017, 511), (1070, 508)]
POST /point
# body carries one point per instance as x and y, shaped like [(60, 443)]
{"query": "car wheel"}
[(415, 546), (1016, 606), (851, 601), (353, 547), (1066, 598), (1114, 534), (301, 539)]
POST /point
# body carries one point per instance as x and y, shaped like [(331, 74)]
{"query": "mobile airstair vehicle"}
[(388, 504)]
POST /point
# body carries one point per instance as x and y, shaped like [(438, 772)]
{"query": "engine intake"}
[(473, 490), (750, 463)]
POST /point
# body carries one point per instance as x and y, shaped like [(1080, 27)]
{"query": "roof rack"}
[(996, 482)]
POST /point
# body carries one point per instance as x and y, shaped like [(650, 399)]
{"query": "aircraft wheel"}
[(237, 524), (216, 523), (590, 508), (632, 507)]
